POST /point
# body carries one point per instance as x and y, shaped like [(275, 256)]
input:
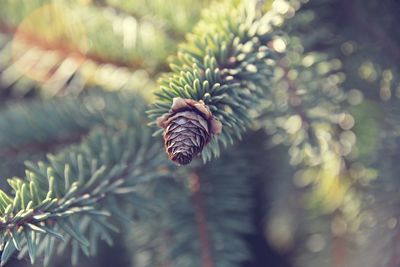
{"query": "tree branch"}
[(201, 220), (395, 257), (294, 100), (338, 251), (66, 50)]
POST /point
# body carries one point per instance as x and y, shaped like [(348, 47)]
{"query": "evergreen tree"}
[(284, 112)]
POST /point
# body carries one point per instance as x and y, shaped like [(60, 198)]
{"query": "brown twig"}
[(395, 256), (65, 49), (294, 100), (201, 220), (338, 232), (338, 251)]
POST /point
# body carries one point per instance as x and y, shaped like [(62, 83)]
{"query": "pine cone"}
[(188, 127)]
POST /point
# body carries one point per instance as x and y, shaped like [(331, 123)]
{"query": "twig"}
[(395, 257), (66, 50), (294, 100), (339, 251), (201, 220)]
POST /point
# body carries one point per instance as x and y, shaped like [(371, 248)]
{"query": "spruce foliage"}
[(307, 94)]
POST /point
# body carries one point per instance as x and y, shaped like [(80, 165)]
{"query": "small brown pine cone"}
[(188, 127)]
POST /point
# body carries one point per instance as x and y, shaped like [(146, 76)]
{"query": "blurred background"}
[(331, 199)]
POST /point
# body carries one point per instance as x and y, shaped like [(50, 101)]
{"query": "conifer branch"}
[(38, 125), (226, 65), (59, 198)]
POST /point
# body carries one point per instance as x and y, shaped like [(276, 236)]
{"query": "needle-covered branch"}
[(70, 196), (225, 63)]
